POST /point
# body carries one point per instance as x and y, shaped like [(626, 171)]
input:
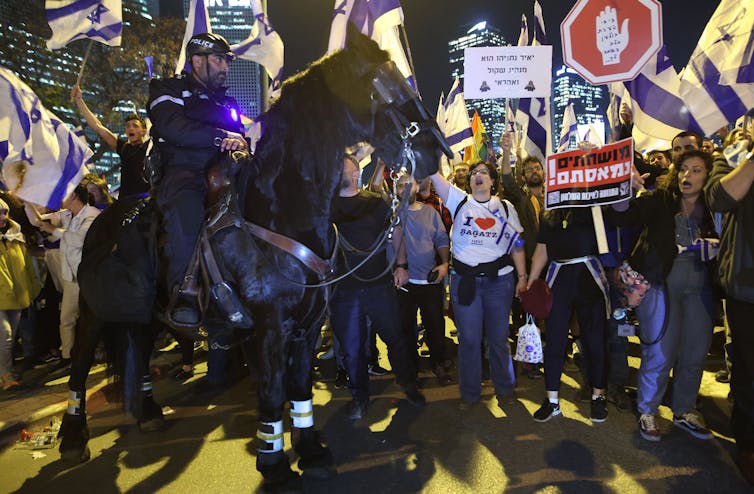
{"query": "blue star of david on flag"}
[(99, 20)]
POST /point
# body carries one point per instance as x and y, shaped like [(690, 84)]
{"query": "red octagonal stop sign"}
[(611, 40)]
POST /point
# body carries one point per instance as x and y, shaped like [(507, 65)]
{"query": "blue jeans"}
[(488, 313), (683, 347), (349, 309)]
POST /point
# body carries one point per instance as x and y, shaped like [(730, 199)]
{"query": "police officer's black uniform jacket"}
[(189, 121)]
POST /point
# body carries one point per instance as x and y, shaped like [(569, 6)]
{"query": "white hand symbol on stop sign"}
[(610, 40)]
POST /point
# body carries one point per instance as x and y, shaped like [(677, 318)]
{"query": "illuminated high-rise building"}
[(589, 102), (491, 111), (232, 19)]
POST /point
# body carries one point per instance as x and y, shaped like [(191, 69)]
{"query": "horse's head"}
[(405, 133), (400, 128)]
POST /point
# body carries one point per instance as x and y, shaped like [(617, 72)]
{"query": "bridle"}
[(397, 99)]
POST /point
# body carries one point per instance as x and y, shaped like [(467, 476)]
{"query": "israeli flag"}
[(569, 129), (42, 159), (378, 19), (717, 82), (533, 115), (658, 109), (100, 20), (263, 46), (728, 39), (456, 126), (523, 36), (197, 23)]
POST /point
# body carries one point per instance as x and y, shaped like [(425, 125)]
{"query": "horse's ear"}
[(358, 42)]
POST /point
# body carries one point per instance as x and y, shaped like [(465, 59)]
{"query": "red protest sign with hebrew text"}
[(611, 40), (580, 179)]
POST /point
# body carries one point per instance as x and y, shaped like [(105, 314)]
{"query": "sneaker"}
[(341, 378), (599, 409), (617, 396), (532, 371), (414, 396), (722, 376), (693, 423), (357, 410), (51, 357), (376, 370), (648, 427), (183, 375), (547, 411)]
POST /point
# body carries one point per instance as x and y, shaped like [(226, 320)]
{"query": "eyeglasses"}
[(529, 169), (481, 169)]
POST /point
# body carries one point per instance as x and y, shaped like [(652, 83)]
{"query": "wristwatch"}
[(403, 265)]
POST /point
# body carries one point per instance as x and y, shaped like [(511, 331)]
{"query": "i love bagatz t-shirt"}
[(482, 231)]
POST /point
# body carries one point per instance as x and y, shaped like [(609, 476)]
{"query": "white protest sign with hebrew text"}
[(507, 72)]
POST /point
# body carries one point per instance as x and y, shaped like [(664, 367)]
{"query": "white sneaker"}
[(648, 427)]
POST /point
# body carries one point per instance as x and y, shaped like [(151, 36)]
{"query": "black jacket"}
[(736, 257), (655, 249), (187, 120)]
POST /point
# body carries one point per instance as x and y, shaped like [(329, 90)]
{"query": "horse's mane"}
[(320, 111)]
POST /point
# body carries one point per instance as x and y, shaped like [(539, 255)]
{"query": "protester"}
[(575, 275), (369, 292), (729, 190), (485, 247), (131, 150), (19, 285), (427, 252), (677, 313), (70, 226), (192, 121)]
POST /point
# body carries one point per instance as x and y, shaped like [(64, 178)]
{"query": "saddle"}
[(203, 280)]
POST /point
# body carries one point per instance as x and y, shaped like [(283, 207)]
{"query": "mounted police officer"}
[(192, 120)]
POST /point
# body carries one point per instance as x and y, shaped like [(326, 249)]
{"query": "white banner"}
[(507, 72)]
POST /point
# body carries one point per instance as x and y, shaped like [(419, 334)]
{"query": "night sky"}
[(304, 26)]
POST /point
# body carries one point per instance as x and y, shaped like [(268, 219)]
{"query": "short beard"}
[(530, 182)]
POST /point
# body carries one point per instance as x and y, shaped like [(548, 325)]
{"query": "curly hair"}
[(493, 175)]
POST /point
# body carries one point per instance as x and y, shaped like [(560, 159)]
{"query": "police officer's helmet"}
[(208, 44)]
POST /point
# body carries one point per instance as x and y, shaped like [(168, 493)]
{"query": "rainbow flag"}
[(482, 149)]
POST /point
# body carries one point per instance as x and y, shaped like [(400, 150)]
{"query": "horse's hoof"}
[(152, 425), (75, 455), (292, 485), (277, 473), (315, 458)]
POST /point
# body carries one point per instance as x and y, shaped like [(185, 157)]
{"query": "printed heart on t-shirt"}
[(485, 223)]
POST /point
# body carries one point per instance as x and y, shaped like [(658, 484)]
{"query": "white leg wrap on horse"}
[(74, 403), (146, 385), (270, 437), (302, 414)]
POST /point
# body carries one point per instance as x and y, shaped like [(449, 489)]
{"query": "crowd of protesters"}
[(468, 245)]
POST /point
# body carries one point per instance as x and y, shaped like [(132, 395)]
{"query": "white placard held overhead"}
[(507, 72)]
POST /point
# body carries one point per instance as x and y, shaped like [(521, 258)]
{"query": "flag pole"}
[(408, 55), (264, 79), (83, 62)]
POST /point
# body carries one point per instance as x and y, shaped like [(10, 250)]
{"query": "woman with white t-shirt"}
[(485, 247)]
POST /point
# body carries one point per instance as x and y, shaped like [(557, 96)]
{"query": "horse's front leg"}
[(315, 458), (74, 433), (272, 462)]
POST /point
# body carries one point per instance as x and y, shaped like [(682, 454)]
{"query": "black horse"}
[(351, 96)]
